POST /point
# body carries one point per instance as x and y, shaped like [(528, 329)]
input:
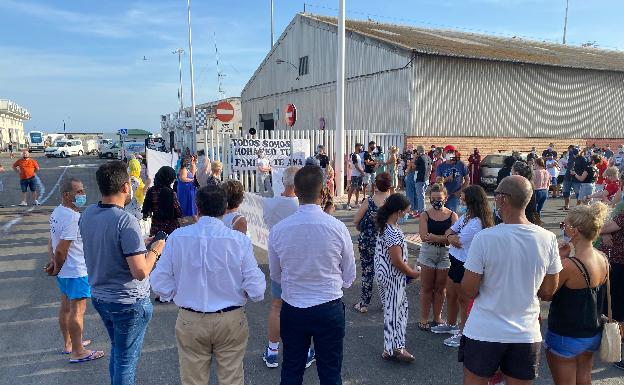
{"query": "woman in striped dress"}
[(393, 273)]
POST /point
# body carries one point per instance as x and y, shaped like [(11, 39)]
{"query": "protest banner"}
[(158, 159), (252, 210), (245, 152)]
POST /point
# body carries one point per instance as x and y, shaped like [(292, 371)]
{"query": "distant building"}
[(440, 86), (176, 128), (12, 117), (136, 135)]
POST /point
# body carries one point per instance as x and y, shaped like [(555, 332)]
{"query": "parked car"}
[(90, 146), (491, 165), (65, 148), (110, 151), (103, 143)]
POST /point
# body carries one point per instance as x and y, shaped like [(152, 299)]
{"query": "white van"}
[(90, 146), (65, 148)]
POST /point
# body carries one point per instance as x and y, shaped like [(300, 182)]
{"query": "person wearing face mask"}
[(67, 264), (455, 174), (573, 336), (27, 169), (263, 174), (474, 167), (119, 266), (434, 256)]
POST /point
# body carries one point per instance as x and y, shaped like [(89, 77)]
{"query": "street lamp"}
[(180, 52), (194, 123), (281, 61)]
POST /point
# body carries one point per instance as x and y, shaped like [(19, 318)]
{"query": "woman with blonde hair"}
[(574, 321), (216, 167), (235, 194), (392, 169)]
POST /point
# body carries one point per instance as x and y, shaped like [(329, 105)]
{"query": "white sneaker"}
[(37, 203), (23, 203), (453, 341), (445, 329)]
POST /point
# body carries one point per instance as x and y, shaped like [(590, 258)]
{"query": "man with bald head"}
[(509, 267)]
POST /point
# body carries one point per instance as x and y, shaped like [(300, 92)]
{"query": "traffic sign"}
[(123, 132), (291, 115), (225, 112), (225, 128)]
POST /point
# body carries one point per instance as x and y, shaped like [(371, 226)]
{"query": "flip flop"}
[(424, 326), (95, 354), (85, 343)]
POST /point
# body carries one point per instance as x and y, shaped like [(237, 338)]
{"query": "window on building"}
[(303, 65)]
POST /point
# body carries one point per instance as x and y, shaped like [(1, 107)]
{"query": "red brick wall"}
[(465, 145)]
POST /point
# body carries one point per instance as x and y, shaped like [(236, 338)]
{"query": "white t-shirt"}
[(513, 261), (466, 232), (552, 170), (277, 208), (356, 158), (563, 164), (64, 226), (262, 162)]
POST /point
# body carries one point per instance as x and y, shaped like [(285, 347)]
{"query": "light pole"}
[(340, 97), (180, 52), (565, 22), (272, 36), (194, 123)]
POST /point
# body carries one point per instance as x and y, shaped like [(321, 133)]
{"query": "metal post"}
[(180, 51), (272, 36), (340, 98), (565, 22), (194, 123)]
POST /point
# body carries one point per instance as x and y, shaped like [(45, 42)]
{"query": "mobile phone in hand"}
[(160, 236)]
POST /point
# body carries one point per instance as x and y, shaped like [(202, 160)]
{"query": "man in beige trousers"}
[(209, 270)]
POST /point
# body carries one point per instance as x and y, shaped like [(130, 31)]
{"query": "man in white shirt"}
[(67, 263), (357, 173), (311, 257), (509, 267), (209, 271), (263, 174)]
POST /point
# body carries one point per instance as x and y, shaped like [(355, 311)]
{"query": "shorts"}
[(74, 288), (276, 290), (553, 181), (560, 179), (516, 360), (369, 178), (456, 271), (585, 190), (570, 347), (25, 184), (568, 186), (436, 257), (356, 181)]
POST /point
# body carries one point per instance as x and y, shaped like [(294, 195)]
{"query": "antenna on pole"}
[(565, 22), (219, 74)]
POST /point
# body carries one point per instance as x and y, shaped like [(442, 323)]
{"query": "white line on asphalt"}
[(7, 226)]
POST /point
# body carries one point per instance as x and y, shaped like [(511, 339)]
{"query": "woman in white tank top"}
[(235, 194)]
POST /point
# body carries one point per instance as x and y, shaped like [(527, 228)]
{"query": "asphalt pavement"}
[(30, 342)]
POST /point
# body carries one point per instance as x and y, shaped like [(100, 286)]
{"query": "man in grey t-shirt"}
[(118, 266)]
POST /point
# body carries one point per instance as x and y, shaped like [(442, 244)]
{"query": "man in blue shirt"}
[(455, 174)]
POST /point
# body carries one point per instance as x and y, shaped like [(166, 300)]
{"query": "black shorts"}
[(560, 179), (515, 360), (456, 271)]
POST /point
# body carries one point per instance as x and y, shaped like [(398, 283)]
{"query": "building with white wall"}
[(12, 117), (439, 86)]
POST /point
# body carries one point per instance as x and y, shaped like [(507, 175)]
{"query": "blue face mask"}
[(462, 210), (403, 219), (80, 200)]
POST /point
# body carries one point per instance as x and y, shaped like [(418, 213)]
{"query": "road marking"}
[(7, 226)]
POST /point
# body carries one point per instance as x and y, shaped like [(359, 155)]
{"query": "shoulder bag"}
[(611, 344)]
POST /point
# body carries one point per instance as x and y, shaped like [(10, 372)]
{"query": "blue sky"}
[(82, 60)]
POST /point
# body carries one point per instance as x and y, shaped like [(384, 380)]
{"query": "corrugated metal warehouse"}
[(440, 86)]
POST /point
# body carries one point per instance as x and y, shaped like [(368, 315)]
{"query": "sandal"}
[(360, 307), (402, 355), (424, 326), (85, 343), (95, 354)]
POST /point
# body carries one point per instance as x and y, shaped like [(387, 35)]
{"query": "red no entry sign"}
[(291, 115), (225, 112)]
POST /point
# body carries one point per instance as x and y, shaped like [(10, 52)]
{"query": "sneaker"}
[(453, 341), (37, 203), (23, 203), (270, 360), (311, 358), (619, 365), (349, 207), (445, 329)]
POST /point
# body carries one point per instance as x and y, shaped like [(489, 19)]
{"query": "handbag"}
[(610, 345)]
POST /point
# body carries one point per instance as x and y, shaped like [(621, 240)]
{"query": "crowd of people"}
[(183, 237)]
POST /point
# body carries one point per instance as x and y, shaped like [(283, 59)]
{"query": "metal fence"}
[(222, 150)]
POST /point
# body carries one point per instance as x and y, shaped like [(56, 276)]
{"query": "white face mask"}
[(450, 157)]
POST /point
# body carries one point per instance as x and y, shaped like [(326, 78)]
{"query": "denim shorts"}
[(356, 181), (435, 257), (74, 288), (585, 190), (570, 347), (276, 290), (568, 186), (25, 184), (369, 178)]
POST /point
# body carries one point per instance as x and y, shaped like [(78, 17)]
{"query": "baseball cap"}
[(449, 148)]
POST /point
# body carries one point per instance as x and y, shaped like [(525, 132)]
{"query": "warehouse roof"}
[(487, 47)]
